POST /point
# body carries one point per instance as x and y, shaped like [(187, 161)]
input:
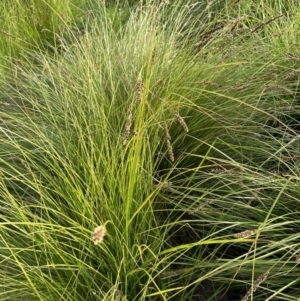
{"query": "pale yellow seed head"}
[(245, 233), (99, 234)]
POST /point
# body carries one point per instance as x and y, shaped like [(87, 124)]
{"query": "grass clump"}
[(151, 157), (36, 26)]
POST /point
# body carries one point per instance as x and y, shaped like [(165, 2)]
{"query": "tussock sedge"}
[(145, 145)]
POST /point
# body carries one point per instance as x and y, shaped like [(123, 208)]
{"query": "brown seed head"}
[(167, 133), (201, 206), (293, 57), (153, 57), (170, 150), (128, 125), (139, 86), (265, 23), (182, 122), (280, 88), (255, 285), (169, 145)]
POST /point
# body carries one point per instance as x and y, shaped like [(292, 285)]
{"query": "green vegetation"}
[(149, 150)]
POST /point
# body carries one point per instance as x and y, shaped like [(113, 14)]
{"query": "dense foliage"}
[(149, 150)]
